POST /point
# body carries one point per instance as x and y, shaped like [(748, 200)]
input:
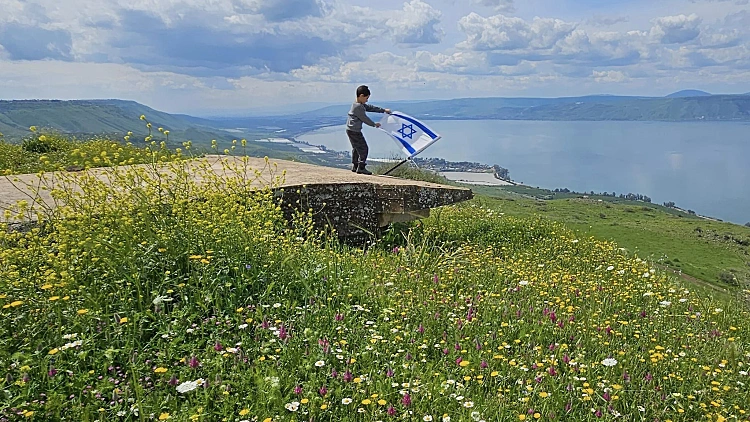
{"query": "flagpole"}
[(396, 166)]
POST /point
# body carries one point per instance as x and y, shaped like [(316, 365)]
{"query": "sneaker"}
[(354, 168), (362, 170)]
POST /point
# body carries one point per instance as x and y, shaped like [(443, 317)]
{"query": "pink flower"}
[(406, 400), (218, 347), (323, 390), (298, 390), (193, 362)]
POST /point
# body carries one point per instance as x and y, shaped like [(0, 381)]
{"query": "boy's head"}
[(363, 94)]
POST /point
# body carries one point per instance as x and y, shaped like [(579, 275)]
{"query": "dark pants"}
[(359, 147)]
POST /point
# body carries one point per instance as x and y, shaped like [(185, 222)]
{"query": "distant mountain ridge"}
[(682, 106), (689, 93), (117, 117)]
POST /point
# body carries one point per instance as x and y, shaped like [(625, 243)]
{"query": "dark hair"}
[(363, 90)]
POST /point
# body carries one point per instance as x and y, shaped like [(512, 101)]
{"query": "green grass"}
[(138, 302)]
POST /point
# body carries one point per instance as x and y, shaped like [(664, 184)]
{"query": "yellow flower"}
[(366, 402), (28, 413), (382, 402), (464, 363), (494, 374), (46, 286), (54, 298), (83, 311), (123, 320), (16, 303), (304, 401), (267, 420), (160, 370), (244, 412), (53, 351), (543, 394), (164, 416)]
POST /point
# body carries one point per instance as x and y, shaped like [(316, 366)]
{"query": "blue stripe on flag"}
[(406, 145), (424, 128)]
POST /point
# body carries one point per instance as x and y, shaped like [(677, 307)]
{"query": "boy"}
[(354, 122)]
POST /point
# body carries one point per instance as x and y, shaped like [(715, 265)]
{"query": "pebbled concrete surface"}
[(356, 205)]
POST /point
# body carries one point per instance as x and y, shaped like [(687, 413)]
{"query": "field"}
[(140, 303)]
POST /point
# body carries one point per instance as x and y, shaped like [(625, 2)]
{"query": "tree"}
[(669, 204), (747, 224)]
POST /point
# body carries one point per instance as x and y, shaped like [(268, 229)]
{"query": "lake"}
[(702, 166)]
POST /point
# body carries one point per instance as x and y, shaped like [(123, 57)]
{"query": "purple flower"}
[(406, 400), (174, 380), (391, 410), (552, 372), (606, 396), (339, 317), (323, 390), (218, 347), (334, 373), (348, 376), (298, 390), (420, 330), (483, 365), (193, 362), (389, 373)]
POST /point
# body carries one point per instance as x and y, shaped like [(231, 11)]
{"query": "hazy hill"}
[(681, 107), (689, 93), (116, 117)]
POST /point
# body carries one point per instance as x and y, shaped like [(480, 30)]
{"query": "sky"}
[(230, 56)]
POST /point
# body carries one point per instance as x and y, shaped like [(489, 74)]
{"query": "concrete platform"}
[(357, 206)]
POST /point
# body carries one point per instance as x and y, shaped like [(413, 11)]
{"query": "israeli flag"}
[(409, 133)]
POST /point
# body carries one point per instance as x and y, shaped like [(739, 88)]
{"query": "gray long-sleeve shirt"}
[(357, 116)]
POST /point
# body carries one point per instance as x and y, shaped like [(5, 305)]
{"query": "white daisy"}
[(609, 362)]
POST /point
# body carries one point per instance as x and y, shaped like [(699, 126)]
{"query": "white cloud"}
[(503, 6), (609, 76), (416, 24), (500, 32), (676, 29)]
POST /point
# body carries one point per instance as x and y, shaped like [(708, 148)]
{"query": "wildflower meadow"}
[(151, 296)]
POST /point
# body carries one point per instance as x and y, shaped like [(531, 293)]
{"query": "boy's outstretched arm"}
[(376, 109), (360, 113)]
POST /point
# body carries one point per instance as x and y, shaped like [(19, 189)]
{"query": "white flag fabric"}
[(409, 133)]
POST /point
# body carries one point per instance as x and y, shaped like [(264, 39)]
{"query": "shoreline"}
[(476, 178)]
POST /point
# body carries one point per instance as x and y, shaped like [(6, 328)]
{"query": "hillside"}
[(117, 117), (224, 310), (689, 93), (600, 107)]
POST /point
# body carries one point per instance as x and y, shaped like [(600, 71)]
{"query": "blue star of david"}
[(407, 131)]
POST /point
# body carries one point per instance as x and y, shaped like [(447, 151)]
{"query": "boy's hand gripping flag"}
[(409, 133)]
